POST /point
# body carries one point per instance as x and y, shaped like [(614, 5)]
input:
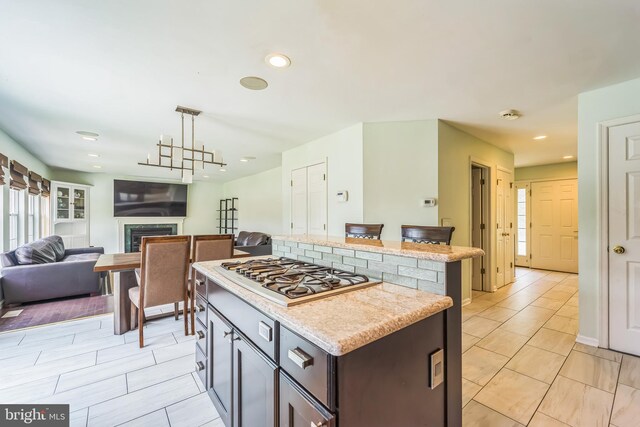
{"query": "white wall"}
[(343, 153), (456, 150), (203, 199), (400, 169), (566, 170), (600, 105), (259, 201)]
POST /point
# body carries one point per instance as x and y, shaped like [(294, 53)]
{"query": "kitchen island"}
[(380, 355)]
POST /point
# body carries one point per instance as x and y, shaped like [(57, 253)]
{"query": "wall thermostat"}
[(342, 196), (428, 203)]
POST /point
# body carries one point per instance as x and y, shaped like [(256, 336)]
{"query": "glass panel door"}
[(78, 203), (63, 203)]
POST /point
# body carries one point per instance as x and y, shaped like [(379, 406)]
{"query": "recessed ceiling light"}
[(223, 170), (97, 166), (254, 83), (93, 155), (567, 157), (539, 137), (278, 60), (247, 158), (88, 136), (205, 176)]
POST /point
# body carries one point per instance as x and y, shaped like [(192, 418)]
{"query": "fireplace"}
[(133, 234)]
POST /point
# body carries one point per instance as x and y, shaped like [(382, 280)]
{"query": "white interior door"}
[(554, 225), (624, 238), (505, 250), (299, 201), (317, 199)]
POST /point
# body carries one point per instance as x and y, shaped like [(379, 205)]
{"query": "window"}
[(14, 218), (33, 218), (44, 216), (522, 222)]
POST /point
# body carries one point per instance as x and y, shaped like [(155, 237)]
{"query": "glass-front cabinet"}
[(70, 219)]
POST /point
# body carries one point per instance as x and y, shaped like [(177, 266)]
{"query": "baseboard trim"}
[(466, 301), (593, 342)]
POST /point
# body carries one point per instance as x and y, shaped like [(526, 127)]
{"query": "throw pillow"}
[(38, 252), (57, 244)]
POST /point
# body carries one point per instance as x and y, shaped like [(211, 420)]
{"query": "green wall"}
[(612, 102), (456, 150), (202, 203), (400, 170), (565, 170)]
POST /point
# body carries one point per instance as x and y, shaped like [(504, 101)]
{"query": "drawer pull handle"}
[(300, 358), (200, 335), (199, 366)]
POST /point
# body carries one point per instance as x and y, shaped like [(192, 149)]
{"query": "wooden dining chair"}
[(363, 231), (427, 234), (209, 247), (162, 278)]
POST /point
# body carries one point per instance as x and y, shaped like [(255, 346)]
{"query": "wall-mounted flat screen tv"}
[(138, 198)]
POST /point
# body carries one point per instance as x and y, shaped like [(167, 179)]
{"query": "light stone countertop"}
[(440, 253), (342, 323)]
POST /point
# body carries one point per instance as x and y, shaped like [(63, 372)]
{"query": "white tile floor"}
[(521, 365), (107, 379)]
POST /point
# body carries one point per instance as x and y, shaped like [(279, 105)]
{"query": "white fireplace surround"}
[(146, 220)]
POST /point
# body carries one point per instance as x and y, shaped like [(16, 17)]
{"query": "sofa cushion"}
[(41, 251), (257, 238), (242, 238), (57, 245), (81, 257)]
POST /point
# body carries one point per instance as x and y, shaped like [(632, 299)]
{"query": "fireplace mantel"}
[(145, 220)]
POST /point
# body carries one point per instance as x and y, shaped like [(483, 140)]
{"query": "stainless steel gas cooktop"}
[(289, 282)]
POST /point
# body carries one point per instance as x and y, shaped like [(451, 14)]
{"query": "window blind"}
[(17, 172)]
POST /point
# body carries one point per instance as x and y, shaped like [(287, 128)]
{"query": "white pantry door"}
[(624, 238), (299, 201), (554, 225), (317, 199), (505, 249)]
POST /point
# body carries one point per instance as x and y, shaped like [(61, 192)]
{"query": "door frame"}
[(602, 196), (489, 208)]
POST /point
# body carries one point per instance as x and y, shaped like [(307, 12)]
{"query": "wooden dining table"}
[(124, 266)]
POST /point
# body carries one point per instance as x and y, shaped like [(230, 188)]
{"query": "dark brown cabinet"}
[(221, 365), (254, 386), (298, 410)]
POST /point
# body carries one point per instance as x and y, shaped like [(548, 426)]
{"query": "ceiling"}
[(119, 68)]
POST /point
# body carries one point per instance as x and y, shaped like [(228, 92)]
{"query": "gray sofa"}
[(254, 242), (70, 274)]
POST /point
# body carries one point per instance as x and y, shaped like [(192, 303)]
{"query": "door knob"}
[(619, 250)]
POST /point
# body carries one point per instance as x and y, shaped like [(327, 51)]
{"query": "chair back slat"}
[(164, 269), (212, 247), (427, 234), (363, 231)]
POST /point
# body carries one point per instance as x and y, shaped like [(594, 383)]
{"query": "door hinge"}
[(497, 182), (530, 224), (482, 271), (481, 226), (530, 193), (530, 256), (324, 176), (292, 225), (510, 225), (511, 185), (498, 270), (482, 181), (324, 226), (498, 226), (510, 265), (292, 183)]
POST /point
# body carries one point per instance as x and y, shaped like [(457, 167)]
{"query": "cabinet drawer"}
[(201, 367), (201, 337), (201, 283), (297, 409), (259, 328), (306, 363), (201, 309)]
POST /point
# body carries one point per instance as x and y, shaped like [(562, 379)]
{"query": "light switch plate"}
[(436, 369)]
